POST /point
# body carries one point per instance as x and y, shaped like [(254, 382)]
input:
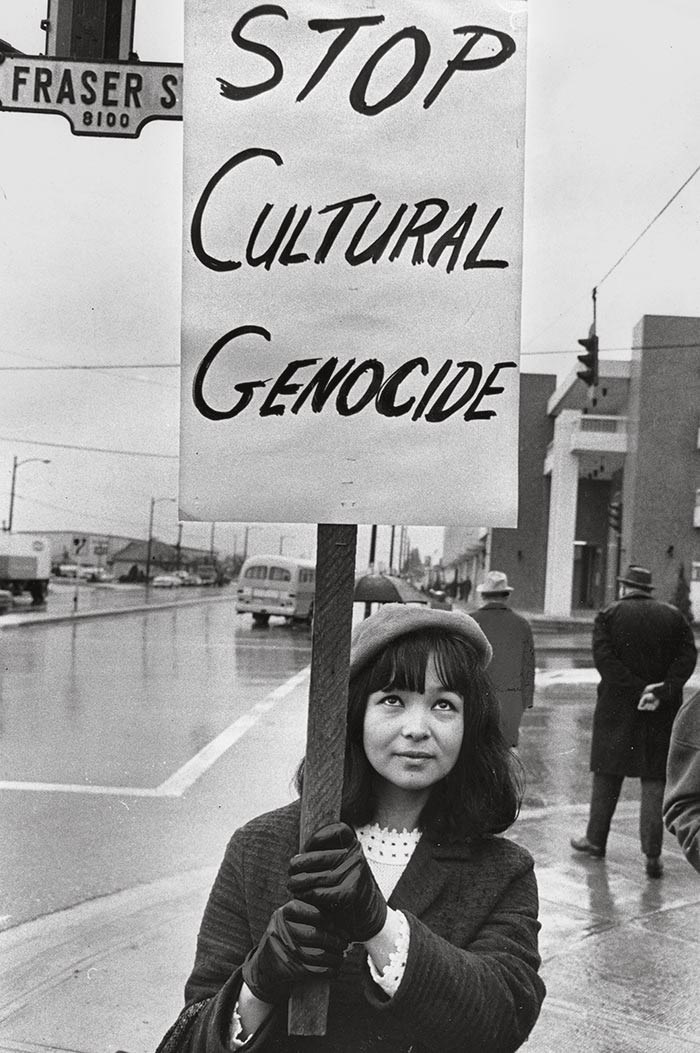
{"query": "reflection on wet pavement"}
[(125, 703), (621, 953)]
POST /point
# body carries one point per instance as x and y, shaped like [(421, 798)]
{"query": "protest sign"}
[(352, 261)]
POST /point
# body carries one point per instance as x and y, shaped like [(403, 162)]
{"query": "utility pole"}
[(149, 546), (372, 558), (178, 547)]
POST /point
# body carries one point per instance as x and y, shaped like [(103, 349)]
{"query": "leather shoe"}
[(582, 844), (655, 867)]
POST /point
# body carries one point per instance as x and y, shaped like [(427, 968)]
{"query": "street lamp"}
[(15, 465), (149, 547)]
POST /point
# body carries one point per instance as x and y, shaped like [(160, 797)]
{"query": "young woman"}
[(424, 922)]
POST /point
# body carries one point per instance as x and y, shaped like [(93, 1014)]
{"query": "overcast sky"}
[(90, 264)]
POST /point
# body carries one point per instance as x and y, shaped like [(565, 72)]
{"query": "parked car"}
[(439, 600), (187, 578), (166, 581), (6, 601), (208, 576), (101, 574)]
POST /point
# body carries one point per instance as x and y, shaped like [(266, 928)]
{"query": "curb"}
[(106, 612)]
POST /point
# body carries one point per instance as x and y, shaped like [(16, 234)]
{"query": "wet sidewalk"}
[(621, 953)]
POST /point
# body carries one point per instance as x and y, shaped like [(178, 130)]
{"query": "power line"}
[(633, 347), (649, 225), (90, 449), (150, 365), (73, 511)]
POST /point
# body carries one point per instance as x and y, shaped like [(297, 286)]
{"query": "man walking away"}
[(644, 651), (512, 668)]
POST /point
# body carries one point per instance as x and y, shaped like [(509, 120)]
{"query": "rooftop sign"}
[(112, 99)]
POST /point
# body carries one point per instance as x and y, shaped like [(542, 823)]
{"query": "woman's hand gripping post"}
[(333, 875)]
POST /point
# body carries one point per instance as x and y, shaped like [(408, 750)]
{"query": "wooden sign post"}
[(325, 740)]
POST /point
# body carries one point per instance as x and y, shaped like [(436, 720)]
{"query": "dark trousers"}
[(606, 790)]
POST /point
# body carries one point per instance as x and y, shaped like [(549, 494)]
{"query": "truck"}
[(25, 565)]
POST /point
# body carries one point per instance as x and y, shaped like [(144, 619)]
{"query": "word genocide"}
[(351, 387)]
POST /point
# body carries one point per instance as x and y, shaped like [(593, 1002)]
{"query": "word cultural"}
[(369, 234), (480, 41), (351, 387)]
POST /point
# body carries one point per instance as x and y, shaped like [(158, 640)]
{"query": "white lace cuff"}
[(234, 1040), (392, 974)]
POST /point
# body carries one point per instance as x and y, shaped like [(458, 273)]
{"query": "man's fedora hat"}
[(638, 578), (494, 582)]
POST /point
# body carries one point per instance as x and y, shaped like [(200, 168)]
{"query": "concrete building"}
[(609, 480)]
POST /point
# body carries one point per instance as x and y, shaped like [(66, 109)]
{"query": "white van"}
[(276, 585)]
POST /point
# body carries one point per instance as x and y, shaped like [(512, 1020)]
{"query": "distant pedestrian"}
[(512, 668), (644, 651), (681, 808)]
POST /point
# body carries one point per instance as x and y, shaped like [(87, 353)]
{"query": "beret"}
[(393, 620)]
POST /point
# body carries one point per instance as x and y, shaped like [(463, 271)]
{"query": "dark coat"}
[(471, 978), (512, 668), (638, 641)]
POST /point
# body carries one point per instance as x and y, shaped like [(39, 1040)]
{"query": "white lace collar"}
[(392, 847)]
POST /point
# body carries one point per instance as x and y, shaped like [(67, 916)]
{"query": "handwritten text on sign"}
[(353, 203)]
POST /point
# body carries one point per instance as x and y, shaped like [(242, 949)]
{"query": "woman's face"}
[(412, 740)]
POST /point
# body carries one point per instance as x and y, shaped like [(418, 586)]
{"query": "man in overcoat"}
[(645, 652), (512, 668)]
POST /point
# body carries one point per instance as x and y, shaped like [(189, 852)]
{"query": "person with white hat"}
[(436, 914), (512, 668)]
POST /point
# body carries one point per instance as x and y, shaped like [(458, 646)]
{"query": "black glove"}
[(333, 875), (296, 945)]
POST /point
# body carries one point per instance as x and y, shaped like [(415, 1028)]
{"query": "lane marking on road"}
[(193, 769), (566, 676)]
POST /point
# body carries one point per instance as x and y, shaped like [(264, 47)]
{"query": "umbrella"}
[(386, 588)]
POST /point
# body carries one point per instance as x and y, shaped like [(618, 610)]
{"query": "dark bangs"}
[(402, 664)]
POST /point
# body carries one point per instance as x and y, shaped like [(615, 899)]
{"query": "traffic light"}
[(90, 30), (589, 360), (615, 516)]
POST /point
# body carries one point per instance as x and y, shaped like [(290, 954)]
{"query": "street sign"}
[(109, 99)]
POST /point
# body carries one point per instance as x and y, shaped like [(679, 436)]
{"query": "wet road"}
[(103, 723), (121, 701)]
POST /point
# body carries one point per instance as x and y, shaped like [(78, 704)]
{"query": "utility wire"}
[(649, 225), (64, 508), (90, 449), (26, 369), (568, 310), (634, 347)]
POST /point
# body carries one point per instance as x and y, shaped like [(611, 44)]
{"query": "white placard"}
[(353, 188)]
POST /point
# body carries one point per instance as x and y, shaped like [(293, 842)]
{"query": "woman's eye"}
[(444, 704), (391, 700)]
